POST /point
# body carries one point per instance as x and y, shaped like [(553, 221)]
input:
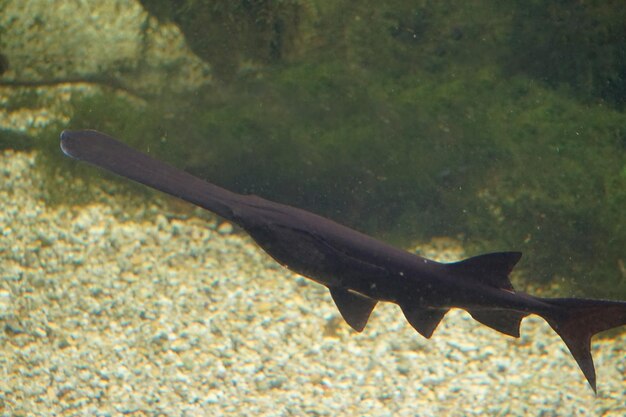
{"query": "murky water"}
[(420, 124)]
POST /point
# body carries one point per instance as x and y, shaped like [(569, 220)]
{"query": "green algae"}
[(407, 121)]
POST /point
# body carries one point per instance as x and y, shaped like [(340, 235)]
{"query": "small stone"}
[(179, 346), (5, 304), (225, 228)]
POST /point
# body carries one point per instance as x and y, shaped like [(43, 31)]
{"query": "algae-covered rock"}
[(406, 120), (580, 45), (230, 34)]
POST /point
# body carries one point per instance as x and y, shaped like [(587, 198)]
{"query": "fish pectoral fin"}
[(424, 320), (354, 308), (504, 321)]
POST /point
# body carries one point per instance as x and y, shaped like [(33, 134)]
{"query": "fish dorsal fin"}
[(491, 269), (424, 320), (354, 308)]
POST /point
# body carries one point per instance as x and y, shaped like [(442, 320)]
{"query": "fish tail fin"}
[(577, 320)]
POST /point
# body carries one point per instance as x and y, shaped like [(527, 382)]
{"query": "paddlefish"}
[(361, 271)]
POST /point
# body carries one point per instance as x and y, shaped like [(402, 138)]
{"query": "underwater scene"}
[(465, 163)]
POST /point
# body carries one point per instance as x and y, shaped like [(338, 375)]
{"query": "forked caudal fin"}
[(578, 320)]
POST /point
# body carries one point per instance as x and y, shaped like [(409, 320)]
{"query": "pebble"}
[(225, 228), (6, 309), (118, 316)]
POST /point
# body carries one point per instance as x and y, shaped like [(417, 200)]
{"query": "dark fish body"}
[(360, 270)]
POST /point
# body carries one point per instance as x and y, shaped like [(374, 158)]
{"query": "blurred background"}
[(499, 124)]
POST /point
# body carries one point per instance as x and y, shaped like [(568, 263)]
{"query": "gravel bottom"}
[(106, 314)]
